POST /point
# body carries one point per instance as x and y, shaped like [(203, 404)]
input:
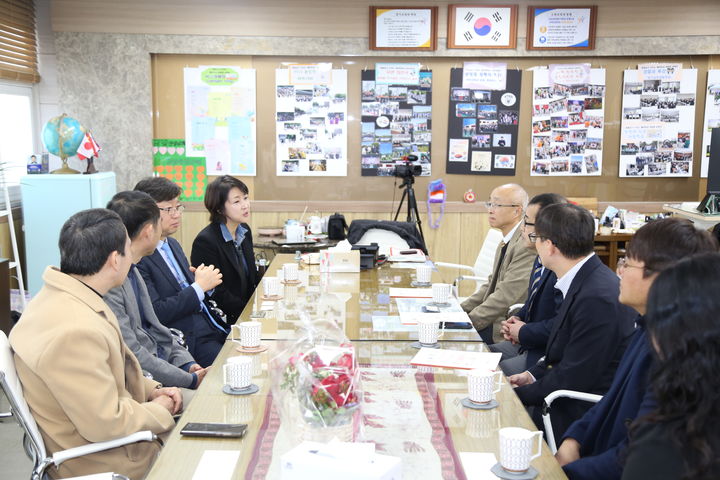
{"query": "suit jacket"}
[(145, 342), (603, 431), (586, 343), (178, 307), (82, 383), (210, 248), (653, 454), (533, 336), (489, 305)]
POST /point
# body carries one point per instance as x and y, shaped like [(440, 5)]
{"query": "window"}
[(17, 140), (18, 45)]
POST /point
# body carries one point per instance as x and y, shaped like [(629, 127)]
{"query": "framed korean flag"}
[(482, 26)]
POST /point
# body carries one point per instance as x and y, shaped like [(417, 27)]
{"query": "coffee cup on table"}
[(516, 448), (423, 273), (290, 272), (237, 372), (441, 292), (249, 334), (271, 286), (428, 331), (482, 385)]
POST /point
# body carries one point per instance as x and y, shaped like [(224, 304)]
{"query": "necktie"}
[(503, 248), (535, 282), (180, 277)]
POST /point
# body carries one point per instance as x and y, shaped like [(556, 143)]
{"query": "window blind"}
[(18, 44)]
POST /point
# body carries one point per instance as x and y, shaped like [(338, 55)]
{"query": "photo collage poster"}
[(396, 118), (220, 118), (311, 121), (712, 117), (658, 117), (483, 122), (568, 115)]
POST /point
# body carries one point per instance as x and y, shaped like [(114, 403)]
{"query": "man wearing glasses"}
[(178, 291), (488, 306)]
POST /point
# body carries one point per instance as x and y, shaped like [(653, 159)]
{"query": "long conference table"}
[(415, 413)]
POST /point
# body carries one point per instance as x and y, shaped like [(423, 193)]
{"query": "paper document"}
[(411, 310), (431, 357), (410, 292), (217, 464), (477, 465), (396, 256)]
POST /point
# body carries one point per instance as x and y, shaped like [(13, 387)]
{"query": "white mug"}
[(482, 385), (428, 331), (271, 286), (424, 273), (249, 334), (516, 445), (290, 272), (237, 372), (295, 233), (315, 225), (441, 292)]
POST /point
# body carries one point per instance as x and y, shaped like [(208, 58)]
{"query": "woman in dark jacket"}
[(227, 244), (680, 439)]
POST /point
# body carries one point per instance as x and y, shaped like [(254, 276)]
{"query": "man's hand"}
[(520, 379), (168, 397), (207, 276), (514, 324), (201, 374), (569, 451), (194, 368)]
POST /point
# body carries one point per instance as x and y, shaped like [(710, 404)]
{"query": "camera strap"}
[(437, 193)]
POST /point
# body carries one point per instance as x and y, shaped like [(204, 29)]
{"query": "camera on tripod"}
[(408, 170)]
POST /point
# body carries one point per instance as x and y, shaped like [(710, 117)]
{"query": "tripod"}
[(412, 212)]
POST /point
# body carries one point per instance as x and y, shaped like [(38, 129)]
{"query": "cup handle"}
[(225, 374), (442, 330), (539, 444), (499, 381), (232, 333)]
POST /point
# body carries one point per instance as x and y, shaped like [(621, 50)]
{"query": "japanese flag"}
[(88, 147)]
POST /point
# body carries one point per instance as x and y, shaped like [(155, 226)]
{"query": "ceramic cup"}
[(249, 334), (290, 272), (424, 273), (428, 331), (271, 286), (295, 233), (441, 292), (483, 385), (516, 448), (237, 372)]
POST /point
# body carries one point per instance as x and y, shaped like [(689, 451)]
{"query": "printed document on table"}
[(460, 359), (411, 310)]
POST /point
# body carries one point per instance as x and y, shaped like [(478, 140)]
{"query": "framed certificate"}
[(403, 28), (561, 28), (482, 26)]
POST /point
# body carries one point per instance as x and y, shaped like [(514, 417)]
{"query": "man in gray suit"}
[(506, 286), (151, 342)]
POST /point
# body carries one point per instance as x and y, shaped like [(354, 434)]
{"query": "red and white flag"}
[(88, 147)]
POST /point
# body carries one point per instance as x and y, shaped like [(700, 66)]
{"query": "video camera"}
[(408, 170)]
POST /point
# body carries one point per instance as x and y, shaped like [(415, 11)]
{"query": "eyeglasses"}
[(622, 264), (491, 205), (527, 224), (533, 237), (173, 210)]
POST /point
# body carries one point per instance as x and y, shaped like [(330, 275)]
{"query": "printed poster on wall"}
[(170, 161), (483, 120), (311, 121), (568, 116), (712, 117), (396, 118), (220, 114), (658, 118)]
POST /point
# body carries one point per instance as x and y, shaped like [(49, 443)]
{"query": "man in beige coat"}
[(81, 381), (507, 285)]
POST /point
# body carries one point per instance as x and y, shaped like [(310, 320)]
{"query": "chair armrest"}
[(471, 277), (455, 265), (588, 397), (515, 307), (70, 453)]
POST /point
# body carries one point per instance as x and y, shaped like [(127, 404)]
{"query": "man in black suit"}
[(591, 329), (178, 291)]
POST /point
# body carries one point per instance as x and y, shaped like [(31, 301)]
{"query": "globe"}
[(62, 136)]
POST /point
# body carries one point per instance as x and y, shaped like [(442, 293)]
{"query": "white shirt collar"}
[(563, 283), (510, 234)]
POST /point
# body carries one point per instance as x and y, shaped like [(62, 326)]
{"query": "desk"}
[(702, 221), (427, 430), (612, 246)]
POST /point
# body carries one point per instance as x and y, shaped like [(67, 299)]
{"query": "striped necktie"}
[(535, 282)]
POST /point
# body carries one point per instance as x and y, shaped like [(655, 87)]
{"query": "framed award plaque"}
[(482, 26)]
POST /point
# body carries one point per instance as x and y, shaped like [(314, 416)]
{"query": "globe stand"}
[(65, 170)]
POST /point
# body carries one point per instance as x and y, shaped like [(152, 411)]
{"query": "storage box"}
[(332, 261), (333, 461)]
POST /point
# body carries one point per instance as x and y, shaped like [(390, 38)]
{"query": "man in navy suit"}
[(177, 290), (593, 446), (591, 330), (523, 347)]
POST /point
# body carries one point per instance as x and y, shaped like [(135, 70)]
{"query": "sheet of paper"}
[(410, 292), (477, 465), (390, 324), (431, 357), (411, 309), (216, 464)]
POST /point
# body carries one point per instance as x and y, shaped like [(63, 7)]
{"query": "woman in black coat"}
[(227, 244)]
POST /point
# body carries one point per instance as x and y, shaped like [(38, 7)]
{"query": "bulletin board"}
[(168, 115)]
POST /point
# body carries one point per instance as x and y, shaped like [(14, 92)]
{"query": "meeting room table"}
[(410, 412)]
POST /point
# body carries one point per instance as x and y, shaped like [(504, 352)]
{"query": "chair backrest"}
[(384, 238), (486, 257), (10, 383)]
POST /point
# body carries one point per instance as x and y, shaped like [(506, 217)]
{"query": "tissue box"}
[(333, 261), (314, 461)]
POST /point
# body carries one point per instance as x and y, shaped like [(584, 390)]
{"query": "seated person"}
[(227, 244), (591, 329), (151, 342), (81, 381), (679, 438), (523, 350), (179, 293), (593, 446), (488, 306)]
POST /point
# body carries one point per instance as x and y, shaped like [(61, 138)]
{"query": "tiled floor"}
[(15, 464)]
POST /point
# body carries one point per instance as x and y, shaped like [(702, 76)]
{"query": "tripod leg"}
[(413, 211), (402, 199)]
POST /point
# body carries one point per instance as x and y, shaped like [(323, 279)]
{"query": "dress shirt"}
[(176, 270), (240, 232), (563, 283)]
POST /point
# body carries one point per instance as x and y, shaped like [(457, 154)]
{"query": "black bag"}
[(337, 227)]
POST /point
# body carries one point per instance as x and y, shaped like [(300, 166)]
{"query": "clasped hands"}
[(510, 329), (207, 276)]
